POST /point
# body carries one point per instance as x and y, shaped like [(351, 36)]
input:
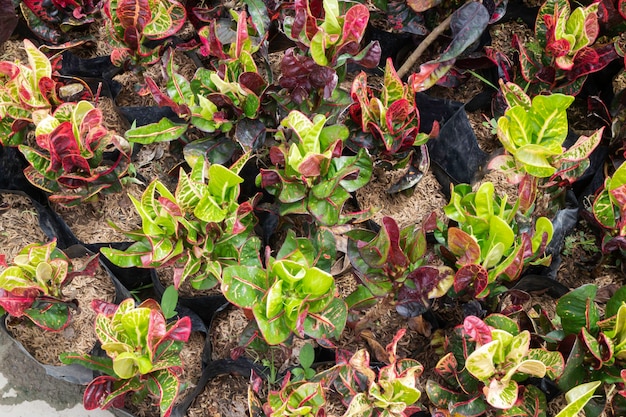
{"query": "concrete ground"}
[(26, 390)]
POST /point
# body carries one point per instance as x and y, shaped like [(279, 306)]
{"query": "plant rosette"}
[(389, 390), (142, 355), (199, 230), (292, 294), (87, 280), (27, 94), (564, 51), (488, 245), (393, 264), (490, 360), (532, 132), (309, 173)]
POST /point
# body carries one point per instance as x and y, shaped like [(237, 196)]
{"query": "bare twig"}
[(421, 48)]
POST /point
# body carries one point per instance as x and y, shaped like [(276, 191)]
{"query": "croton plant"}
[(27, 94), (487, 245), (394, 263), (198, 230), (293, 293), (142, 355), (76, 158), (31, 286), (214, 101), (532, 132), (488, 363), (564, 51), (132, 24), (309, 173)]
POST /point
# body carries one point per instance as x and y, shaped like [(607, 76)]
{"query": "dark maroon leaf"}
[(250, 133), (472, 274), (467, 25), (8, 20), (97, 391), (253, 82)]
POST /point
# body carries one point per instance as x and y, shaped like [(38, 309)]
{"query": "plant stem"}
[(421, 48)]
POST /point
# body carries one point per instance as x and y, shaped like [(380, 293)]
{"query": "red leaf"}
[(396, 257), (355, 22), (103, 307), (477, 330), (310, 167), (134, 13), (211, 45), (16, 303), (163, 100), (180, 331), (589, 60)]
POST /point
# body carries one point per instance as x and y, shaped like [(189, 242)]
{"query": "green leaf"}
[(95, 363), (168, 389), (274, 303), (169, 300), (502, 322), (49, 316), (307, 355), (209, 210), (501, 394), (317, 282), (274, 330), (533, 404), (573, 309), (163, 131), (244, 286), (223, 183), (577, 397), (328, 323)]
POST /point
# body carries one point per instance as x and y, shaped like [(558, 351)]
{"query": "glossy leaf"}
[(577, 397), (163, 131)]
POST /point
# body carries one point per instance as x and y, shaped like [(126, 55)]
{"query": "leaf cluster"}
[(489, 360), (143, 355), (27, 94), (132, 24), (292, 294), (32, 285), (198, 230), (564, 51), (487, 245), (394, 262), (309, 173), (69, 159)]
